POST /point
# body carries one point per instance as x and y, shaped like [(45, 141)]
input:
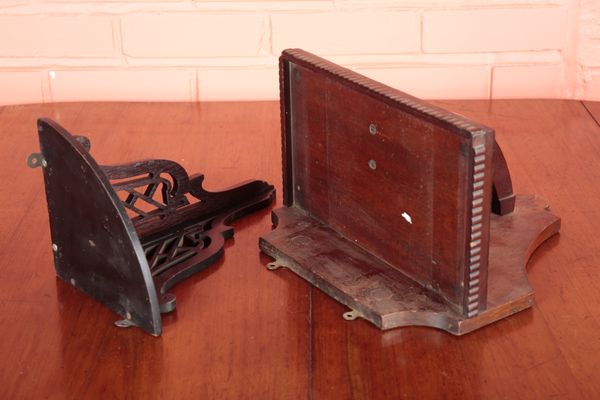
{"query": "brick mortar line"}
[(421, 28), (104, 68), (117, 32), (128, 67), (247, 9), (491, 83), (59, 68), (509, 53), (46, 87), (196, 87)]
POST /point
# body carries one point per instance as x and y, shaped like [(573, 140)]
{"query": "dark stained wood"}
[(388, 202), (404, 180), (503, 198), (94, 244), (226, 342), (129, 262), (388, 298), (244, 332)]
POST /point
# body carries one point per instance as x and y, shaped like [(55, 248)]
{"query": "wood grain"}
[(243, 332), (386, 297), (548, 351), (593, 107), (365, 156)]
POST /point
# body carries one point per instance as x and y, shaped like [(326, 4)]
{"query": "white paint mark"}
[(407, 217), (52, 74)]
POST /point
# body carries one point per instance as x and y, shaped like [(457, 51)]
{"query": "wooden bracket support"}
[(125, 234)]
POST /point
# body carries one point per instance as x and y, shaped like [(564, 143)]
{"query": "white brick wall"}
[(21, 87), (179, 35), (588, 56), (544, 81), (350, 32), (494, 30), (464, 82), (56, 36), (190, 50), (127, 85)]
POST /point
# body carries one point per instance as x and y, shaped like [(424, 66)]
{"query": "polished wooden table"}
[(243, 332)]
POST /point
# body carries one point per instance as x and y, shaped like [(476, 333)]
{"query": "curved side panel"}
[(503, 198), (95, 245)]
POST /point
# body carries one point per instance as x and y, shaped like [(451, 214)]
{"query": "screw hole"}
[(34, 160), (124, 323), (373, 164), (372, 129), (350, 315)]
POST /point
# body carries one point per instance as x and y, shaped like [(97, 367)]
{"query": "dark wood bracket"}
[(125, 234), (398, 209)]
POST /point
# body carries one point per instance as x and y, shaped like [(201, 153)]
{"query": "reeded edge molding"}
[(399, 98), (452, 122), (476, 228)]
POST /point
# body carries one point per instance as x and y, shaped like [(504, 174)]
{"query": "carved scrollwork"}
[(160, 184), (178, 237)]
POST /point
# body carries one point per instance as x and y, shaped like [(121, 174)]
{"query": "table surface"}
[(243, 332)]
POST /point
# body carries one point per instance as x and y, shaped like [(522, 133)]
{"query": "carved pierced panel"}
[(165, 252), (150, 188)]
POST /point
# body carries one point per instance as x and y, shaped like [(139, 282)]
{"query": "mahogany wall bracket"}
[(125, 234), (396, 208)]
